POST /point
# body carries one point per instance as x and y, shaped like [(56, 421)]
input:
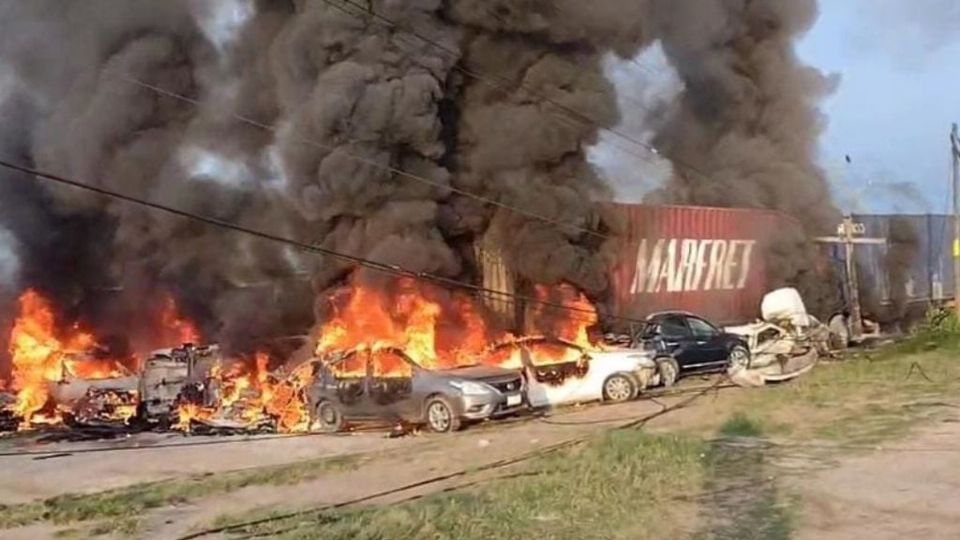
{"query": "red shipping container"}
[(709, 261)]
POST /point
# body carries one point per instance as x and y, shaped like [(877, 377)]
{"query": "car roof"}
[(665, 313)]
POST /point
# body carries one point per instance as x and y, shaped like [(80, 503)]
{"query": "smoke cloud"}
[(744, 131), (502, 98)]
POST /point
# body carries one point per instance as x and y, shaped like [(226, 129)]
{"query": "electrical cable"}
[(370, 13), (373, 163), (366, 13), (359, 261), (499, 464)]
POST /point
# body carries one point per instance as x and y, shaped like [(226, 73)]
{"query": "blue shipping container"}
[(918, 247)]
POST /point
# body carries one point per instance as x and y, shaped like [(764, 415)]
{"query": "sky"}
[(898, 63), (899, 67)]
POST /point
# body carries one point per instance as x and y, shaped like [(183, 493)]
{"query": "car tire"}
[(440, 416), (669, 371), (619, 388), (739, 359), (327, 418)]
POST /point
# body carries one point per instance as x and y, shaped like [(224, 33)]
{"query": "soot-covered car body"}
[(559, 373), (171, 375), (387, 385), (684, 343)]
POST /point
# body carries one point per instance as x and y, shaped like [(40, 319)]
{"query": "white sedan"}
[(562, 373)]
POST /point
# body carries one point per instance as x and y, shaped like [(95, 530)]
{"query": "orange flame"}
[(183, 330), (43, 354), (253, 396), (439, 332), (571, 324), (375, 319)]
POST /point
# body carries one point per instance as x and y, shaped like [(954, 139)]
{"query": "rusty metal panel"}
[(495, 275), (711, 261)]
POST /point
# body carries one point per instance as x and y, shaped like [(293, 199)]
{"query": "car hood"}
[(477, 373)]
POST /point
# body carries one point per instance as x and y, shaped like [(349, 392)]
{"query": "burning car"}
[(86, 401), (386, 384), (173, 376), (558, 372)]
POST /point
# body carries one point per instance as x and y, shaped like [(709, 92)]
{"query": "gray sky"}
[(899, 62), (899, 68)]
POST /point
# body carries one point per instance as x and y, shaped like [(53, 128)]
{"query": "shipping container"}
[(913, 266), (710, 261), (713, 262)]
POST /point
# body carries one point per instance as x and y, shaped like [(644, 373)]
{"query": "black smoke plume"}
[(499, 98)]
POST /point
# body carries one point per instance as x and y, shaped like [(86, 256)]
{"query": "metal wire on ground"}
[(221, 440), (653, 397), (633, 423)]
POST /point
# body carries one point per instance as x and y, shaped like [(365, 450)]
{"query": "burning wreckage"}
[(61, 377), (787, 343), (366, 367), (378, 357)]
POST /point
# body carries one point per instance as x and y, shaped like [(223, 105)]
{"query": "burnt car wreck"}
[(388, 385)]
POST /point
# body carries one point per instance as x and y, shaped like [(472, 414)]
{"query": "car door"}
[(674, 337), (709, 348), (350, 377), (391, 386)]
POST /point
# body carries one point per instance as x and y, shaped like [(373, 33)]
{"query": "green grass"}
[(623, 484), (741, 425), (122, 506), (614, 487), (865, 399)]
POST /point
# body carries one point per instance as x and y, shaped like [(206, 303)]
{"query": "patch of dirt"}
[(908, 490), (467, 450), (27, 478)]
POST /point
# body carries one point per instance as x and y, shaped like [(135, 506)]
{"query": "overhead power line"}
[(375, 164), (312, 248), (574, 116), (369, 13), (491, 79)]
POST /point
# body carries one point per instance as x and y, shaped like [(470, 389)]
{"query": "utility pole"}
[(955, 153), (853, 280), (850, 234)]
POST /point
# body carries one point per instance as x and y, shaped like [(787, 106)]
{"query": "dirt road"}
[(908, 490), (73, 468)]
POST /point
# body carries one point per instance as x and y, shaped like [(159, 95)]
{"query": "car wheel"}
[(440, 415), (327, 418), (619, 388), (668, 370), (739, 359)]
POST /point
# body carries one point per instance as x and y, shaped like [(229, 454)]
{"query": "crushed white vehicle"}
[(560, 373), (786, 344)]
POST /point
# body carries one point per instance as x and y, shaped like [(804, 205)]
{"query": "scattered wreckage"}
[(185, 388), (786, 344)]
